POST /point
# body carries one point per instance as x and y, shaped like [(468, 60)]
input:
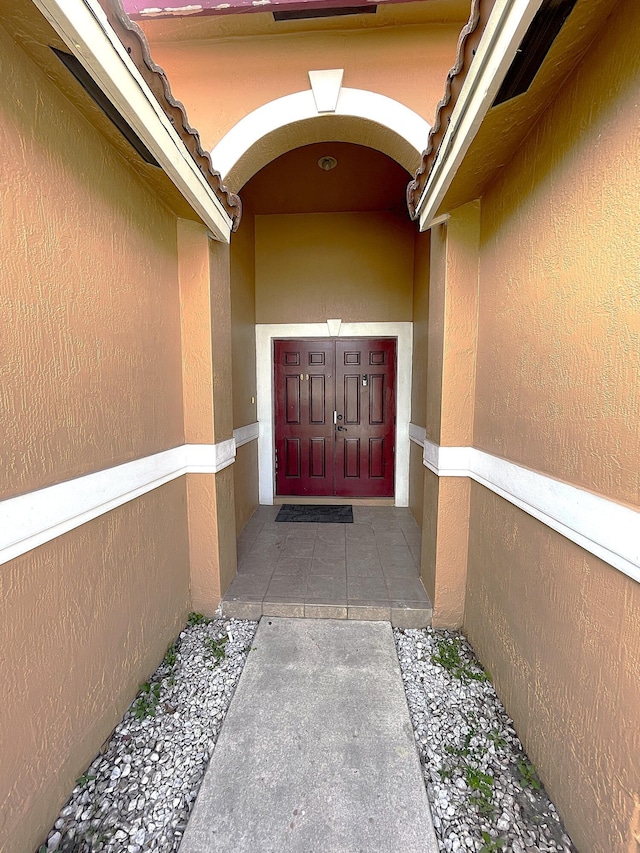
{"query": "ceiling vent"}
[(325, 12), (535, 45), (91, 88)]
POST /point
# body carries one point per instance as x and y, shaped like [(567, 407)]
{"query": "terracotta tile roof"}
[(468, 41), (137, 46)]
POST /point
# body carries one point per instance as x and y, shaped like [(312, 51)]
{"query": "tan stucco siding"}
[(416, 482), (90, 347), (245, 483), (559, 344), (354, 266), (420, 328), (84, 620), (222, 81), (558, 630), (429, 533), (243, 322)]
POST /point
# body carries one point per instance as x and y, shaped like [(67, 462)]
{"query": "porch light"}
[(327, 163)]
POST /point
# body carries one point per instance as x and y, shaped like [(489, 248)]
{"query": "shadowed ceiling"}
[(363, 180)]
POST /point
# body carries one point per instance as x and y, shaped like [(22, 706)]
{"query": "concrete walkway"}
[(317, 751)]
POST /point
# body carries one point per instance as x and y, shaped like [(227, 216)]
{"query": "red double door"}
[(335, 417)]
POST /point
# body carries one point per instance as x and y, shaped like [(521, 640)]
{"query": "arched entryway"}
[(327, 255)]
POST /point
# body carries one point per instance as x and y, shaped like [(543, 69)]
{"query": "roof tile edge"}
[(468, 41), (137, 46)]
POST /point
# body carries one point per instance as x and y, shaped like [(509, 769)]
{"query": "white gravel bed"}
[(485, 795), (137, 794)]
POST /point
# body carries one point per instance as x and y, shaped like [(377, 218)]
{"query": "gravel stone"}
[(477, 775), (136, 796)]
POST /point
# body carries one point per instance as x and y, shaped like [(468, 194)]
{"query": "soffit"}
[(36, 37), (505, 126), (186, 28)]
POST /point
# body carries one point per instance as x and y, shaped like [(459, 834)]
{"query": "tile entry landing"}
[(365, 570)]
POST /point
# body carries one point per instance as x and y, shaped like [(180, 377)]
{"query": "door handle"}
[(342, 429)]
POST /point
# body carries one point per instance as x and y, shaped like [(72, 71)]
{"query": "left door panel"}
[(304, 399)]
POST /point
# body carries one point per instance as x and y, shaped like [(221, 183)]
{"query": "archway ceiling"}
[(348, 187)]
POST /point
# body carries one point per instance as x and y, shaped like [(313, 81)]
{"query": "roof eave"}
[(87, 32), (500, 38)]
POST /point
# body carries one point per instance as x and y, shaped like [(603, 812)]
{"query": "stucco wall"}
[(245, 483), (243, 322), (84, 620), (422, 243), (559, 349), (243, 342), (90, 348), (416, 482), (558, 391), (558, 630), (220, 81), (355, 266), (90, 376)]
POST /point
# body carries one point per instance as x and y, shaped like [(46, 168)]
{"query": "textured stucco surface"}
[(559, 347), (421, 265), (557, 390), (416, 482), (451, 344), (243, 321), (243, 343), (220, 296), (90, 369), (435, 340), (195, 320), (355, 266), (245, 483), (558, 630), (460, 326), (222, 80), (429, 533), (451, 543), (84, 620)]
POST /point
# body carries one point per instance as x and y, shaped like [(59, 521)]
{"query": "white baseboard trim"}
[(245, 434), (30, 520), (601, 526)]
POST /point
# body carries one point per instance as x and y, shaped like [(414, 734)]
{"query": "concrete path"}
[(317, 751)]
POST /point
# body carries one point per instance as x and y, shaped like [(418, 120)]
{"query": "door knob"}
[(342, 429)]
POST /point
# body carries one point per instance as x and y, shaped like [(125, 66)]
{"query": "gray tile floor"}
[(364, 570)]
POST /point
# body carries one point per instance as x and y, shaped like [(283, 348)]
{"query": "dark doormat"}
[(317, 514)]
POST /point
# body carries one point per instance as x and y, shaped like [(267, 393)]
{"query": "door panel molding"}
[(265, 334)]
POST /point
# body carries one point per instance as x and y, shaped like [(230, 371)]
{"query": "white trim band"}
[(30, 520), (301, 106), (601, 526), (417, 434), (83, 26), (245, 434)]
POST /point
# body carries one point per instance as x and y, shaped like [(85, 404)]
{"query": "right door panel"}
[(365, 405)]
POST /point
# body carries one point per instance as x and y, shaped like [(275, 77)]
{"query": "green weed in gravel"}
[(448, 657), (147, 702)]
